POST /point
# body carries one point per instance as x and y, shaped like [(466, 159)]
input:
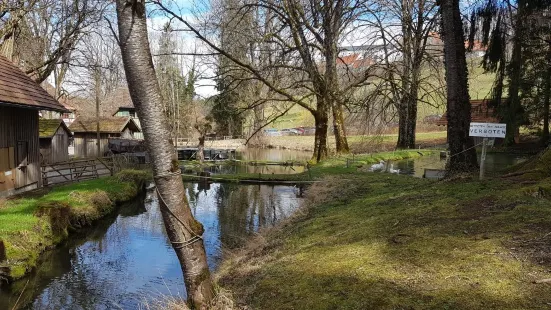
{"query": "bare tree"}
[(183, 230), (305, 38), (46, 31)]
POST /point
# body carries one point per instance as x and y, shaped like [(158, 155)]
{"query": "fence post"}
[(483, 157)]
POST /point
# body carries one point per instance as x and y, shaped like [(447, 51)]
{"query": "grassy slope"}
[(480, 85), (358, 144), (29, 225), (372, 241)]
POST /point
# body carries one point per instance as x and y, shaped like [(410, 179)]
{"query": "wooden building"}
[(54, 140), (85, 134), (481, 112), (119, 103), (20, 100)]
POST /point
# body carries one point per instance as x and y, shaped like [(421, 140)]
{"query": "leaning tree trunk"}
[(183, 230), (462, 152)]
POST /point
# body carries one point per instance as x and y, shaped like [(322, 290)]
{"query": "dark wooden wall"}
[(19, 130)]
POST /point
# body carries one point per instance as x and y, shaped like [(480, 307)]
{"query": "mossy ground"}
[(31, 223), (379, 241)]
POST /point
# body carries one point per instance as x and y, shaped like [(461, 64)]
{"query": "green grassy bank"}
[(381, 241), (331, 166), (32, 223)]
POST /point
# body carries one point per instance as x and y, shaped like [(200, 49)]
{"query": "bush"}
[(136, 176)]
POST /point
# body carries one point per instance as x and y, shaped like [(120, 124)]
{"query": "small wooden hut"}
[(54, 140), (85, 134), (481, 112), (20, 100)]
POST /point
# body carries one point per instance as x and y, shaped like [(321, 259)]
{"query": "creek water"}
[(126, 260)]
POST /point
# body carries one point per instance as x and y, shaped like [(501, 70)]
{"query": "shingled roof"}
[(17, 88), (48, 127), (481, 112), (106, 124)]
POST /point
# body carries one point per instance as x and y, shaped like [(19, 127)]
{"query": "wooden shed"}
[(85, 134), (20, 100), (54, 140), (481, 112)]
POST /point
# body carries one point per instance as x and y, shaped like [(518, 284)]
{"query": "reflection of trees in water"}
[(243, 209)]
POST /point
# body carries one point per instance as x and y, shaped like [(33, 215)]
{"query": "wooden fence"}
[(87, 169)]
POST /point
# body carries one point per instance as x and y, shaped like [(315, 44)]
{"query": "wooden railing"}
[(76, 170)]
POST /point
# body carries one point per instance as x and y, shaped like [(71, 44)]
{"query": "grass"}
[(31, 223), (372, 241), (336, 166)]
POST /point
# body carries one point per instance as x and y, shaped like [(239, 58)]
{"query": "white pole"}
[(483, 157)]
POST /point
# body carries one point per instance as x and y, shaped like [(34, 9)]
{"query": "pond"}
[(495, 162), (261, 155), (127, 259)]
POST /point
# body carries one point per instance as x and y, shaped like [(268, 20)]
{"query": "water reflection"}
[(254, 169), (127, 258), (495, 162), (273, 154)]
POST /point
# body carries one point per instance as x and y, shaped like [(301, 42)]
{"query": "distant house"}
[(20, 101), (54, 140), (121, 104), (68, 115), (85, 134)]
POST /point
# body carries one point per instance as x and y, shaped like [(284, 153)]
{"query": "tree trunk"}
[(513, 110), (547, 91), (320, 143), (330, 24), (402, 125), (463, 154), (182, 228), (341, 142), (201, 149), (97, 81), (412, 109), (407, 120), (405, 100)]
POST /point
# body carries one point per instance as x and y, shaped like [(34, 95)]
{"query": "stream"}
[(126, 260)]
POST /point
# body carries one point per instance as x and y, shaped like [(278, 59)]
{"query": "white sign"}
[(487, 130)]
